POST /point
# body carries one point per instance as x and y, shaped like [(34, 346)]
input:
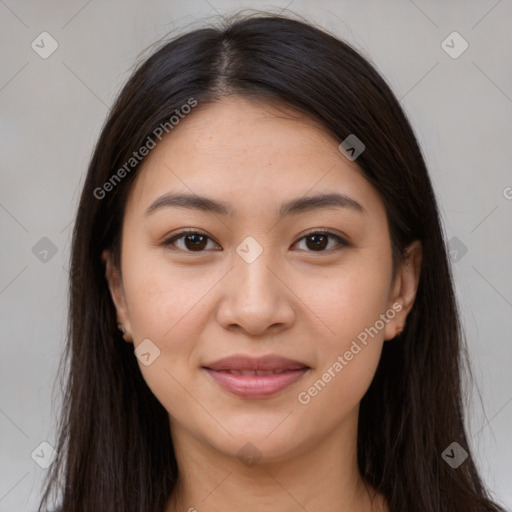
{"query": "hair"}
[(114, 447)]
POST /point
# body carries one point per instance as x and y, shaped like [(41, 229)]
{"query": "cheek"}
[(351, 306), (165, 301), (349, 353), (165, 306), (338, 387), (348, 300)]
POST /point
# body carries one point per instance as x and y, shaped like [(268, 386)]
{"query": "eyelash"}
[(342, 243)]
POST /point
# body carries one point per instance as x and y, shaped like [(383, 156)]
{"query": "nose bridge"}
[(255, 298), (251, 267)]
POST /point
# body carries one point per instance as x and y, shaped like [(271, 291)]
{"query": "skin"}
[(294, 300)]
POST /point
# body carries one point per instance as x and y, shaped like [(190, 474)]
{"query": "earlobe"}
[(405, 289), (117, 294)]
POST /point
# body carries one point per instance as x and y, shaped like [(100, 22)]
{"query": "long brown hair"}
[(114, 445)]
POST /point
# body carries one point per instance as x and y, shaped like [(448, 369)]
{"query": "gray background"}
[(51, 113)]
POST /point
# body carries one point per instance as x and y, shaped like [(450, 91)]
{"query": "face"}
[(311, 283)]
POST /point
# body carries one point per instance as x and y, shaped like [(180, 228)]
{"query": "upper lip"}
[(245, 362)]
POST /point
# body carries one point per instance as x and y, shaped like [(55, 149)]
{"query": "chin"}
[(258, 446)]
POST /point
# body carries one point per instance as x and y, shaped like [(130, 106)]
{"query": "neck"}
[(323, 476)]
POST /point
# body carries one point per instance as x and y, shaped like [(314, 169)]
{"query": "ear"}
[(404, 289), (115, 286)]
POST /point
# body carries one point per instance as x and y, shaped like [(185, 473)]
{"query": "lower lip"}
[(256, 386)]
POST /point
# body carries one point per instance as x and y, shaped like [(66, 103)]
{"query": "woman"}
[(261, 308)]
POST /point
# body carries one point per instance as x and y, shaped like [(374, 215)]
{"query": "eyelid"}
[(325, 231)]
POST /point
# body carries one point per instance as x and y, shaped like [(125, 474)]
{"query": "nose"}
[(256, 297)]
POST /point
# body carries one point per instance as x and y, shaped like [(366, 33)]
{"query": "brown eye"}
[(196, 241), (318, 241), (193, 241)]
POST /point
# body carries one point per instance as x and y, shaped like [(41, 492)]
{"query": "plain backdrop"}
[(53, 108)]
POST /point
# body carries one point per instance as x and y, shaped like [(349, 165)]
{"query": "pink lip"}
[(256, 386)]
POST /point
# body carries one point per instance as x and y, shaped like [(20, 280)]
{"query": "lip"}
[(245, 362), (255, 385)]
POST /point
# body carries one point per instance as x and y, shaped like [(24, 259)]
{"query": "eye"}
[(194, 241), (317, 241), (197, 241)]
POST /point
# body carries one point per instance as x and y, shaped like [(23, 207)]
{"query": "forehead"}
[(250, 154)]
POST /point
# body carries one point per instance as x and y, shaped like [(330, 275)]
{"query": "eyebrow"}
[(293, 207)]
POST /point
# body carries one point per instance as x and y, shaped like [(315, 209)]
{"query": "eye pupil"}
[(198, 241), (319, 241)]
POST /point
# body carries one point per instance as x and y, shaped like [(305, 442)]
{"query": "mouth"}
[(250, 377), (255, 372)]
